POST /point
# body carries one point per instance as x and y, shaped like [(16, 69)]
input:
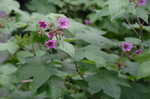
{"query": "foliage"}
[(87, 61)]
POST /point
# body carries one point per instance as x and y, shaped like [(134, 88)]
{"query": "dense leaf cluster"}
[(88, 62)]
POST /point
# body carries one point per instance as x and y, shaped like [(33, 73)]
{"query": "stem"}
[(27, 81), (33, 50), (139, 34), (77, 70), (141, 29), (129, 23)]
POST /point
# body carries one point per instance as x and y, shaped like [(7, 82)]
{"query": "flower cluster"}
[(139, 2), (50, 43), (127, 47), (62, 23), (139, 51), (142, 2)]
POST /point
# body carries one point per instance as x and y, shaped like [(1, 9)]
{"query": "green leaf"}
[(80, 96), (36, 68), (7, 69), (143, 57), (89, 34), (41, 6), (146, 43), (67, 47), (4, 55), (9, 5), (5, 80), (40, 52), (147, 28), (57, 2), (131, 68), (94, 53), (6, 72), (144, 70), (142, 13), (99, 14), (137, 91), (91, 53), (25, 95), (117, 8), (10, 46), (133, 40), (106, 81), (24, 54), (57, 87)]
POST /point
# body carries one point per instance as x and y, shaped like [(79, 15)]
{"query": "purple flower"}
[(50, 35), (63, 23), (126, 46), (142, 2), (139, 51), (50, 44), (2, 14), (87, 22), (42, 24)]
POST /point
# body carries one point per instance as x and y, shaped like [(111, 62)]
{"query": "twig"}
[(27, 81)]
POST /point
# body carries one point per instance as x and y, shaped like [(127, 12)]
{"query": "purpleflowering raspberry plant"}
[(63, 22), (126, 46), (67, 59), (51, 31)]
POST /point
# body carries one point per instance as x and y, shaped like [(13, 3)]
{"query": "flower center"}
[(126, 46), (50, 43)]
